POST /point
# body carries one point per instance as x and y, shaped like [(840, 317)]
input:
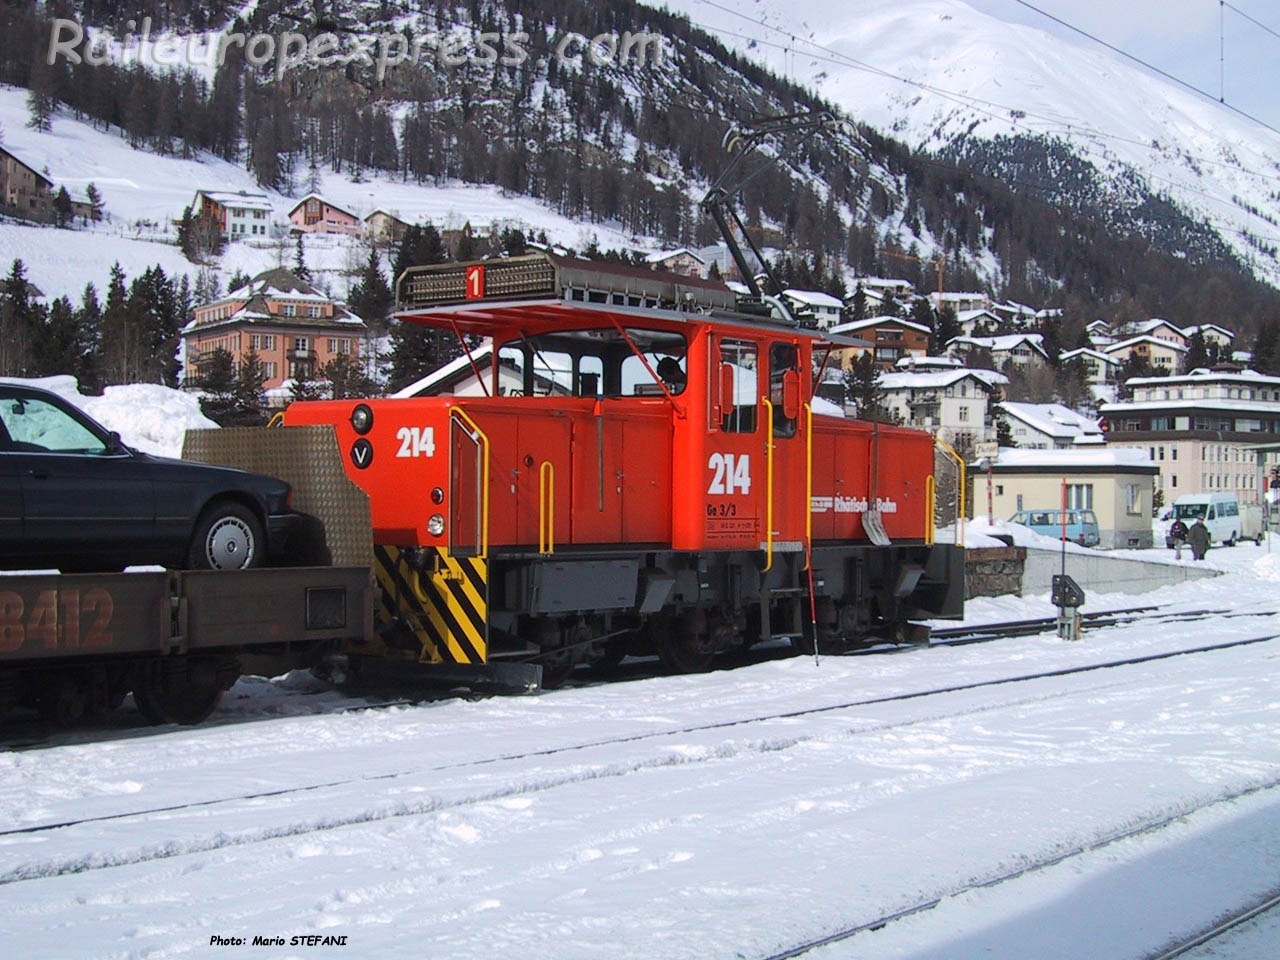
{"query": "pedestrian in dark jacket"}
[(1198, 537), (1178, 537)]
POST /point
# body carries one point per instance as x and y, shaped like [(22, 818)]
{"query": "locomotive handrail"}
[(951, 452), (484, 491), (930, 506), (547, 502), (808, 480), (768, 494)]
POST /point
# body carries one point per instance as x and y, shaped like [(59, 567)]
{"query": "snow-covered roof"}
[(962, 295), (381, 210), (1122, 458), (854, 325), (1086, 352), (1003, 343), (423, 386), (814, 298), (1210, 405), (237, 198), (329, 203), (738, 287), (933, 379), (1201, 327), (912, 362), (1200, 376), (661, 255), (1145, 338), (1097, 323), (1054, 420), (964, 316)]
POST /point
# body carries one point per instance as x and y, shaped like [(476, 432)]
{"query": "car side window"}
[(37, 426)]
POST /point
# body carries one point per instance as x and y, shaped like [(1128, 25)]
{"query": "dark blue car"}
[(72, 496)]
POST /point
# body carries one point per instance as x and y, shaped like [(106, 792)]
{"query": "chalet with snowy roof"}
[(959, 301), (1016, 313), (682, 261), (384, 226), (891, 337), (236, 214), (912, 364), (314, 214), (1099, 368), (1159, 329), (953, 404), (1019, 349), (826, 310), (1160, 353), (25, 192), (972, 322), (293, 328), (1050, 426), (1211, 333)]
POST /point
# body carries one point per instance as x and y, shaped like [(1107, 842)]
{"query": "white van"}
[(1221, 513)]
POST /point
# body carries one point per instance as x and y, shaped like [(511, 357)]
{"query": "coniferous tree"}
[(946, 328), (218, 386), (859, 307), (1197, 352), (300, 268), (41, 101), (371, 297), (20, 320), (418, 350), (63, 213), (95, 201), (863, 389)]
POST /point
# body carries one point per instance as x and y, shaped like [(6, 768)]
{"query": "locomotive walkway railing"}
[(471, 430)]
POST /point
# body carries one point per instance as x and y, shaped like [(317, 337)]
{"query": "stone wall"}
[(993, 571)]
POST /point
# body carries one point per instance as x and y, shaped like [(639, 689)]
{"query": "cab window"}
[(784, 358), (733, 392), (37, 426)]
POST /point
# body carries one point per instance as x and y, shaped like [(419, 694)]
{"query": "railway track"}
[(1220, 929), (582, 772), (1147, 827)]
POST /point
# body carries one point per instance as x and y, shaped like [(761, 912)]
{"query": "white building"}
[(959, 301), (236, 214), (1050, 426), (1020, 349), (953, 404), (1100, 369), (825, 308)]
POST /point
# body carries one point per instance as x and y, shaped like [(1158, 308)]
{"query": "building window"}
[(269, 369), (301, 344), (964, 413), (339, 345), (288, 310), (1080, 496), (1174, 478), (313, 312), (1133, 499)]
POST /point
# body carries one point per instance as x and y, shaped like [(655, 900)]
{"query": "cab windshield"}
[(1189, 511), (594, 363)]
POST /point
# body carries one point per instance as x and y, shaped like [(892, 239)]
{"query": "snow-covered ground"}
[(731, 814)]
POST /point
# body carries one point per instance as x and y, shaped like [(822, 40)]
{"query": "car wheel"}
[(227, 537)]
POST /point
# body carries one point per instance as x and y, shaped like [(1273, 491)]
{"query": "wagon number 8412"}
[(63, 618)]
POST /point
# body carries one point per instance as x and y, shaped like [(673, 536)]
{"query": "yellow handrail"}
[(951, 452), (547, 507), (808, 481), (277, 420), (768, 459), (484, 491), (930, 506)]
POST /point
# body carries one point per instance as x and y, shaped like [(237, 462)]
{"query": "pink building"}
[(315, 214)]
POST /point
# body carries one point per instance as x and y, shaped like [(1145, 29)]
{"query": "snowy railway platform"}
[(767, 811)]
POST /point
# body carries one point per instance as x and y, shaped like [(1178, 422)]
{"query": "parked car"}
[(1222, 514), (73, 497), (1082, 525)]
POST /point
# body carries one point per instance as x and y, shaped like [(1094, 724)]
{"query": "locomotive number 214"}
[(731, 473)]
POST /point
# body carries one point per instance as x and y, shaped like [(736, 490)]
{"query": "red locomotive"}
[(642, 472)]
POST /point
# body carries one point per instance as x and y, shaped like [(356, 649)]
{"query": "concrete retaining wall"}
[(1105, 574)]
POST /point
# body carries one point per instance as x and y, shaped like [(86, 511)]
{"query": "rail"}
[(547, 507), (481, 440), (768, 490), (808, 485)]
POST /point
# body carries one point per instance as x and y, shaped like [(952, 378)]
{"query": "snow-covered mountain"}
[(976, 80)]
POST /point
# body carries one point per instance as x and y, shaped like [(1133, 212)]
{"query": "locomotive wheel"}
[(687, 646), (186, 704)]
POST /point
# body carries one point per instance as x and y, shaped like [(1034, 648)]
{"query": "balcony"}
[(302, 356)]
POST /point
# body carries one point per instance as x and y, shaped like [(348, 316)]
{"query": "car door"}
[(86, 499), (10, 501)]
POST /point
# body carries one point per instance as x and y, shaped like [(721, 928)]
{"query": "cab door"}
[(734, 474), (787, 394)]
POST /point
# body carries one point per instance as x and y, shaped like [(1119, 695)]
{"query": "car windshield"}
[(1189, 511)]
